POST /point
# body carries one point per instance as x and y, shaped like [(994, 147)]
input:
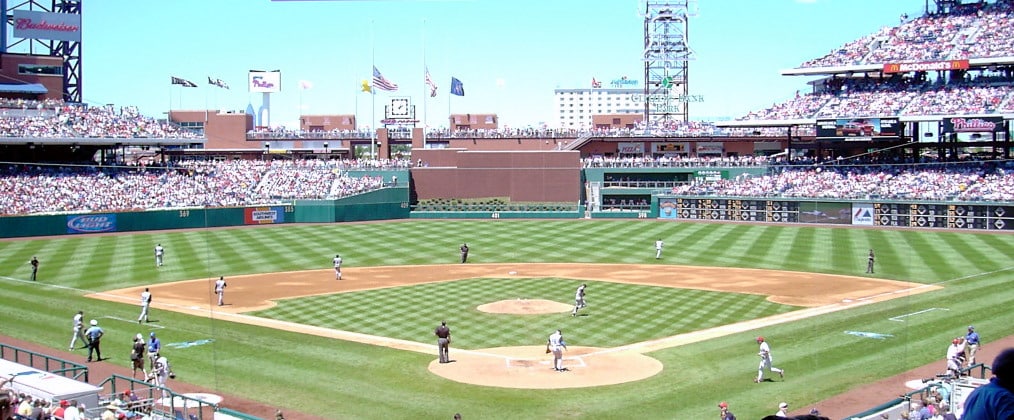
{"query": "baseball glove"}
[(547, 350)]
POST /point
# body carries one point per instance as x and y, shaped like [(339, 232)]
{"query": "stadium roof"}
[(34, 88), (862, 68)]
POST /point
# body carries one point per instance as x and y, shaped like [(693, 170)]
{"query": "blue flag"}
[(456, 87)]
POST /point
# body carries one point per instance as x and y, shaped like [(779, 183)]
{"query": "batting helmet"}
[(760, 339)]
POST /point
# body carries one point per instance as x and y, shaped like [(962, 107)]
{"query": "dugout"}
[(42, 384)]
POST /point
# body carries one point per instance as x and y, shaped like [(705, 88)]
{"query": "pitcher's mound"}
[(529, 367), (522, 306)]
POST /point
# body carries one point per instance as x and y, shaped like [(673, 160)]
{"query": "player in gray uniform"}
[(443, 342), (556, 345), (579, 299), (337, 261), (869, 262), (78, 324)]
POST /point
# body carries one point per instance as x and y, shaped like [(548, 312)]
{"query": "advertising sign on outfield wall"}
[(862, 214), (710, 148), (91, 223), (263, 215), (973, 124), (43, 25), (667, 208)]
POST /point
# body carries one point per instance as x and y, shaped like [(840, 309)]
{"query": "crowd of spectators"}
[(675, 161), (29, 189), (56, 119), (972, 181), (974, 30)]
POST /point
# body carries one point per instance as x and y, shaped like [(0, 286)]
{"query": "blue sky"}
[(510, 55)]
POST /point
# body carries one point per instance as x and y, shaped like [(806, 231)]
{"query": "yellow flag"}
[(366, 86)]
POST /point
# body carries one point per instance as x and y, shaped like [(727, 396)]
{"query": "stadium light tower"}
[(666, 59), (59, 38)]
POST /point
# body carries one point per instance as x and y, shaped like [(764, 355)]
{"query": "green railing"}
[(54, 365)]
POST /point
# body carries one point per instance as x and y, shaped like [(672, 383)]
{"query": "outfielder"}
[(78, 323), (870, 259), (145, 304), (765, 362), (337, 266), (159, 253), (658, 248), (578, 299), (556, 345), (220, 290)]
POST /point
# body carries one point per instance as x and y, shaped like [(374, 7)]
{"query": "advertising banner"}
[(263, 215), (862, 214), (710, 148), (926, 66), (91, 223), (858, 128), (973, 125), (44, 25), (265, 81), (630, 148), (667, 208)]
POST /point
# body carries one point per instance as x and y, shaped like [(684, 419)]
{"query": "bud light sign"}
[(91, 223)]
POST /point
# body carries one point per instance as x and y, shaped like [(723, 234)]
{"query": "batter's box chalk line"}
[(568, 362)]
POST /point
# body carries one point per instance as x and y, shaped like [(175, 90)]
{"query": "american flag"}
[(431, 84), (381, 83)]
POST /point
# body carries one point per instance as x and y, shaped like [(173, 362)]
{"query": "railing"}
[(44, 362)]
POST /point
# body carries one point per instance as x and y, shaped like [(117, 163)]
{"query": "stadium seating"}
[(55, 119)]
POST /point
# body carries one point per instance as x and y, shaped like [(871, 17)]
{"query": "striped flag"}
[(181, 81), (431, 84), (381, 83)]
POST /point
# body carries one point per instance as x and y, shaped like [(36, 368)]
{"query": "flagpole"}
[(425, 74), (373, 95)]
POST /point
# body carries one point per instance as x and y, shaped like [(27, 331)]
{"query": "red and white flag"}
[(431, 84)]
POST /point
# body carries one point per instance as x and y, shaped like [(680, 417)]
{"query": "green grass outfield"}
[(334, 378)]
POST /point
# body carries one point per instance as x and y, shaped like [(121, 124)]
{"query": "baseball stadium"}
[(854, 240)]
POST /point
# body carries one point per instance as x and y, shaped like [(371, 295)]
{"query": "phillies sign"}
[(44, 25), (973, 125)]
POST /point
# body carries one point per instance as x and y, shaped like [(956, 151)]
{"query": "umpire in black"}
[(443, 341)]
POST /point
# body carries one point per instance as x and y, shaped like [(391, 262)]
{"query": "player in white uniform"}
[(556, 345), (337, 267), (78, 324), (955, 356), (159, 253), (145, 304), (765, 362), (578, 299), (161, 372), (220, 290), (658, 248)]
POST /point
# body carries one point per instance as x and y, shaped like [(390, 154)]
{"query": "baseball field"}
[(665, 338)]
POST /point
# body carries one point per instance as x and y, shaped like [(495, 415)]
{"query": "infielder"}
[(145, 304), (159, 253), (658, 248), (78, 323), (578, 299), (556, 345), (765, 362), (220, 290), (337, 266), (869, 262)]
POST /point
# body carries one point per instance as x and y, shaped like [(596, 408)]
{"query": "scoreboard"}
[(892, 214)]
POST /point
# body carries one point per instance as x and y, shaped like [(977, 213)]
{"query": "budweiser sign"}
[(44, 25), (926, 66), (973, 125)]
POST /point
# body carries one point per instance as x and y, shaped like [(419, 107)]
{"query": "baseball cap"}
[(970, 328), (955, 341), (723, 404), (152, 334), (94, 322), (783, 405), (138, 336), (64, 403), (760, 338)]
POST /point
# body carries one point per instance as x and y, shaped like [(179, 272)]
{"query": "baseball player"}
[(556, 345), (337, 266), (161, 373), (869, 262), (159, 253), (765, 362), (724, 413), (35, 267), (578, 299), (658, 248), (145, 304), (464, 253), (956, 356), (220, 290), (78, 324)]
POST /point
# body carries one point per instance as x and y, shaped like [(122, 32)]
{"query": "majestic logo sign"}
[(862, 214), (91, 223), (43, 25)]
